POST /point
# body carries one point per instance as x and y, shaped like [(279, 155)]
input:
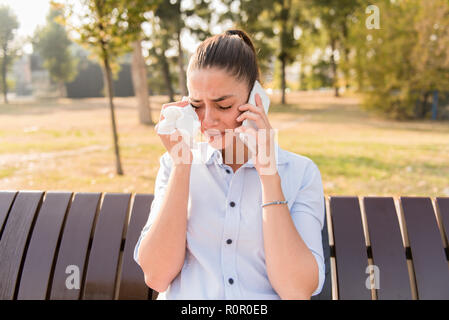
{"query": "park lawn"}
[(66, 145)]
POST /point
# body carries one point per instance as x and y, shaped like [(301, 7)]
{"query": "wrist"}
[(270, 179), (181, 159)]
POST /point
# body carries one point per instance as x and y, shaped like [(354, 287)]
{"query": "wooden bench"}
[(45, 235)]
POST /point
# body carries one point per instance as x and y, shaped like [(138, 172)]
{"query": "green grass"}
[(6, 172)]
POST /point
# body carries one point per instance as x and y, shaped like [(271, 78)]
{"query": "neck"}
[(239, 152)]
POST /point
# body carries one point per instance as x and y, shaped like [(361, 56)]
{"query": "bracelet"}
[(274, 202)]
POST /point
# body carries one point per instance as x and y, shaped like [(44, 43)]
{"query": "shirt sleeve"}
[(159, 193), (308, 216)]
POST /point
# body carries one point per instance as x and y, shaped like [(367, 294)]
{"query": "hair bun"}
[(243, 35)]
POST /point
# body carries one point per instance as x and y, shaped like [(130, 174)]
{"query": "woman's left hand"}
[(264, 159)]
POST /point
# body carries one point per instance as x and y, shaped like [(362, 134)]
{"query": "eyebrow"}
[(216, 100)]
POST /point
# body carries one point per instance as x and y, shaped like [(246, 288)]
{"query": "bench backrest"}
[(49, 240)]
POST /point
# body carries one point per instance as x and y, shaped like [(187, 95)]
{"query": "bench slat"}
[(74, 245), (103, 257), (132, 281), (41, 251), (350, 248), (387, 248), (443, 206), (14, 240), (6, 200), (428, 257)]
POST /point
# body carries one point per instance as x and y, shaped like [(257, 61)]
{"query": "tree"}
[(137, 11), (108, 28), (287, 18), (159, 39), (254, 18), (399, 66), (336, 19), (140, 84), (8, 24), (53, 45), (171, 19), (271, 23)]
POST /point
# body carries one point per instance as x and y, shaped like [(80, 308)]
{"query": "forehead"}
[(212, 83)]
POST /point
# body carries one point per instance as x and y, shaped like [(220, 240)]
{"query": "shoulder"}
[(297, 163), (299, 173)]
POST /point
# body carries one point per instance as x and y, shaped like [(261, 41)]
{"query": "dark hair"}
[(232, 51)]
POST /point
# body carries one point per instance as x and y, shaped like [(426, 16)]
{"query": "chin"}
[(219, 142)]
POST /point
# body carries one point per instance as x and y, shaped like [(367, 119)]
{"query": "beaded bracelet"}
[(274, 202)]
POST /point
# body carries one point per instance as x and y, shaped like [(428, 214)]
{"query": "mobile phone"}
[(246, 138)]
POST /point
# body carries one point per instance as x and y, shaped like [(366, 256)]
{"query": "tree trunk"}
[(334, 67), (421, 105), (424, 104), (62, 89), (4, 74), (182, 74), (139, 78), (108, 82), (346, 52), (167, 76), (283, 82), (282, 56)]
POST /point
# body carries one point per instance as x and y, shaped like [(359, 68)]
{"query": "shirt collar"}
[(214, 155)]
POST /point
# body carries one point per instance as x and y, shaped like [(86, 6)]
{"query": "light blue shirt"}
[(225, 256)]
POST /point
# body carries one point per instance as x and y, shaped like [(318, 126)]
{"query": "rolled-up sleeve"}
[(308, 215), (159, 193)]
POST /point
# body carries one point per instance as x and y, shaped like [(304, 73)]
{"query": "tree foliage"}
[(53, 45), (8, 24), (399, 65)]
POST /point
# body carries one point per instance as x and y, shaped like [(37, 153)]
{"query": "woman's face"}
[(216, 97)]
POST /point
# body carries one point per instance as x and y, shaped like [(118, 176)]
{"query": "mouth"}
[(213, 133)]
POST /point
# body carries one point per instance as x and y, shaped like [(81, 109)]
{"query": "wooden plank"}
[(387, 248), (74, 246), (6, 200), (443, 207), (14, 240), (103, 257), (42, 248), (132, 281), (350, 249), (428, 256)]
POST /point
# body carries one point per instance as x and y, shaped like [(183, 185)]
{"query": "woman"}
[(229, 229)]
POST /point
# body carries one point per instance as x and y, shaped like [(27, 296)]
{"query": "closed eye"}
[(223, 108)]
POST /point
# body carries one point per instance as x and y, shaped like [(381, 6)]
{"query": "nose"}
[(210, 118)]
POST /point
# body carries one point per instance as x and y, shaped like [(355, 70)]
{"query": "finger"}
[(251, 108), (181, 104), (249, 137), (259, 103), (246, 129), (257, 118), (175, 104)]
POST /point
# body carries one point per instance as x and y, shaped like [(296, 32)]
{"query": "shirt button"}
[(228, 171), (232, 204), (231, 281), (229, 241)]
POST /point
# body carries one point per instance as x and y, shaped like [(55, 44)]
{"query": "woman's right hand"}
[(174, 143)]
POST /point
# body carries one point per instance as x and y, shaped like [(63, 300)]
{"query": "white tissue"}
[(184, 119)]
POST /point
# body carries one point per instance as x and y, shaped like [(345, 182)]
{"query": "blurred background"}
[(359, 87)]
